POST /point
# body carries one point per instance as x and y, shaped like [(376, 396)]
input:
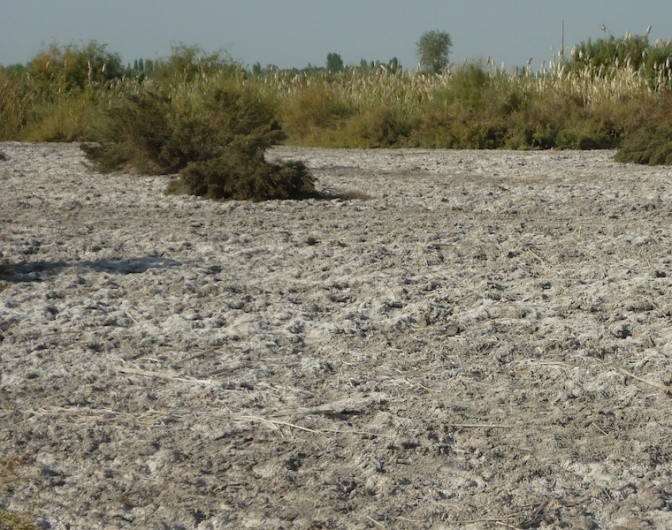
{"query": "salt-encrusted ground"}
[(486, 343)]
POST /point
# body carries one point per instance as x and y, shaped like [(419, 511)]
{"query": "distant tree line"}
[(334, 64)]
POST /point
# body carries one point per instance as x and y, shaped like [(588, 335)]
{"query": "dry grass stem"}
[(165, 375), (481, 425), (377, 523), (667, 390), (276, 423)]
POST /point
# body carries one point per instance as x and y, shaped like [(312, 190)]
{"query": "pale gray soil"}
[(486, 343)]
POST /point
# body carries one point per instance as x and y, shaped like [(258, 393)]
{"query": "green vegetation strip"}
[(610, 93)]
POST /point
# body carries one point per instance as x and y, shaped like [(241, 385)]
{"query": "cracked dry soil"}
[(485, 342)]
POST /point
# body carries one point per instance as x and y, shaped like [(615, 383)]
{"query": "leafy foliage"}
[(633, 52), (651, 142), (133, 135), (433, 49), (216, 143), (75, 66), (165, 116), (241, 175), (314, 107), (380, 128), (652, 146), (189, 63), (334, 62), (610, 51)]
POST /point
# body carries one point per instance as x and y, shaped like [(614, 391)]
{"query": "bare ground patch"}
[(483, 343)]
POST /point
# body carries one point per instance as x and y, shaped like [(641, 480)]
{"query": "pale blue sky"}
[(295, 32)]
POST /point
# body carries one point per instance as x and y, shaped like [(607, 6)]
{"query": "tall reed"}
[(564, 105)]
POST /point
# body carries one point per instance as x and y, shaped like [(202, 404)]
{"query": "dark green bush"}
[(317, 107), (238, 175), (379, 127), (650, 145), (188, 63), (611, 51), (651, 141), (583, 137), (468, 87), (134, 135), (75, 66), (634, 52), (215, 141)]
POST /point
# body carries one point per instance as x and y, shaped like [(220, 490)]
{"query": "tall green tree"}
[(334, 62), (433, 50)]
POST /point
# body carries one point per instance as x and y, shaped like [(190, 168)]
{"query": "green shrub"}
[(75, 66), (377, 127), (582, 138), (633, 52), (650, 145), (68, 119), (467, 88), (166, 116), (188, 63), (611, 51), (238, 175), (650, 141), (312, 109), (19, 99), (137, 134), (215, 139)]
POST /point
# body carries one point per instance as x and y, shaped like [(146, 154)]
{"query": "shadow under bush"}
[(214, 138)]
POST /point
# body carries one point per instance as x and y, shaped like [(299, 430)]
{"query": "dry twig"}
[(164, 375), (275, 423), (481, 425), (659, 386)]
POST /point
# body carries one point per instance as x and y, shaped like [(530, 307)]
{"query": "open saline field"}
[(455, 339)]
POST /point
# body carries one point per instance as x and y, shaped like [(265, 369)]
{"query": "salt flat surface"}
[(486, 342)]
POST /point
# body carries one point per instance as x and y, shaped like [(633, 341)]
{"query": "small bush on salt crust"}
[(240, 175), (215, 140)]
